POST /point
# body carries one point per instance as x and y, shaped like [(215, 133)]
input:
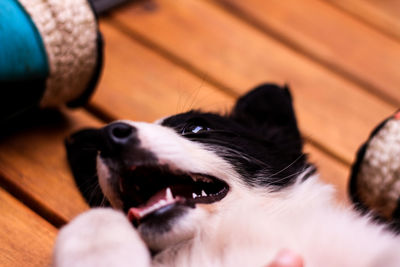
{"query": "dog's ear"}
[(268, 109), (82, 149)]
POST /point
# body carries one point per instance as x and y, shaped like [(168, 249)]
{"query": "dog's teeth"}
[(194, 195), (169, 196), (203, 194), (200, 178)]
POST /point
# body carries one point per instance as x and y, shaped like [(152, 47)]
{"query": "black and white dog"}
[(200, 189)]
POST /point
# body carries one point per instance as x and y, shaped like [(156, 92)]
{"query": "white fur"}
[(304, 219), (101, 237), (104, 177), (247, 227)]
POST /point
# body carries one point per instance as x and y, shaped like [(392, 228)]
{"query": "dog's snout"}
[(121, 133), (118, 137)]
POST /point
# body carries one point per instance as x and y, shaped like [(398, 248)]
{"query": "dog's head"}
[(173, 176)]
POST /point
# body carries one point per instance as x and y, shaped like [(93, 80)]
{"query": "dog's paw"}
[(100, 237)]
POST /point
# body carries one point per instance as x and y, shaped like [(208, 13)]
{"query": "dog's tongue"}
[(161, 199)]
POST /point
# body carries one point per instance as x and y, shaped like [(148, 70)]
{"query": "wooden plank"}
[(334, 112), (338, 40), (33, 165), (382, 14), (137, 84), (25, 238), (160, 87), (392, 7), (331, 171)]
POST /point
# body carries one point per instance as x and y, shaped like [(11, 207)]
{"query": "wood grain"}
[(138, 84), (331, 171), (162, 88), (335, 113), (165, 57), (331, 37), (382, 14), (33, 165), (25, 238)]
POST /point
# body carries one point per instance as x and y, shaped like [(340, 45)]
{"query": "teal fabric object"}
[(22, 52)]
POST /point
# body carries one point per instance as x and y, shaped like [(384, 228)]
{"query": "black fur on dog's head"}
[(260, 137), (259, 142)]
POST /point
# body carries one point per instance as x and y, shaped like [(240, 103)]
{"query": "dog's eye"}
[(194, 129)]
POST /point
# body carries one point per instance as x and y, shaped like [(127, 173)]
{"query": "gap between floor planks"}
[(54, 188), (382, 15), (150, 87), (26, 238), (65, 218), (33, 165), (346, 121), (338, 41)]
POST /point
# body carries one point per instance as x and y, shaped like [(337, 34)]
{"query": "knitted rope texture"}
[(379, 177), (69, 31)]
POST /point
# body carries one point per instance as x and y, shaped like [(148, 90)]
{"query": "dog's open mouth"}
[(146, 190)]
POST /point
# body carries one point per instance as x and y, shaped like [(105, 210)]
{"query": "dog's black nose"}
[(120, 133), (118, 137)]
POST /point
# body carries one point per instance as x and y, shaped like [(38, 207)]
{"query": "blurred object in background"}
[(102, 6), (50, 53)]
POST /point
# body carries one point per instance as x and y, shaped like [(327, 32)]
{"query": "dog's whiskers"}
[(288, 166), (295, 174), (103, 202), (92, 191), (229, 152)]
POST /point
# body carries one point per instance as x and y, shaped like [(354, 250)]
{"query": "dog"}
[(202, 189)]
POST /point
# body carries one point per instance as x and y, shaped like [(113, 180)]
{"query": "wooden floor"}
[(341, 59)]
